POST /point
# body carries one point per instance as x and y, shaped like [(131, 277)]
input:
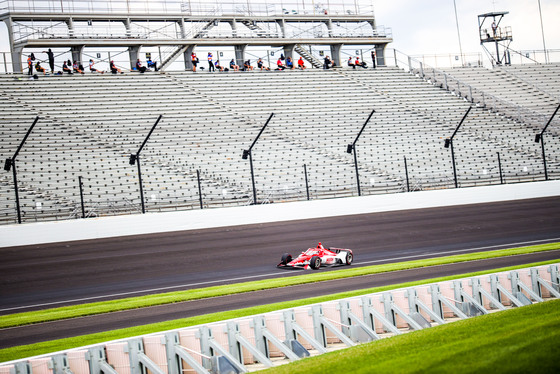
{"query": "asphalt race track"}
[(111, 321), (49, 275)]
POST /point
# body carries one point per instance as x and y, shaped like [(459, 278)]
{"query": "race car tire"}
[(286, 258), (315, 262), (349, 258)]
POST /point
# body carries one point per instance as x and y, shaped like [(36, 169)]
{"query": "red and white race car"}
[(314, 258)]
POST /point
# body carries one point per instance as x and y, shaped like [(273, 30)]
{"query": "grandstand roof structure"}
[(186, 24)]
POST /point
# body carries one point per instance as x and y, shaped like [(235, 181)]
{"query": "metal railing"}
[(472, 94), (190, 7), (389, 176)]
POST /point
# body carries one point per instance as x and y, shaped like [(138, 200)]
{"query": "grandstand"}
[(90, 124)]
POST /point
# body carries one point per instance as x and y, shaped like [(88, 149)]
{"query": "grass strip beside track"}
[(512, 341), (30, 350), (82, 310)]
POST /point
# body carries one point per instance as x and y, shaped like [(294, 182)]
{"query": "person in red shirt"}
[(360, 64), (280, 64), (301, 64)]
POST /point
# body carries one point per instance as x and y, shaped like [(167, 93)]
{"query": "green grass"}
[(18, 319), (513, 341), (19, 352)]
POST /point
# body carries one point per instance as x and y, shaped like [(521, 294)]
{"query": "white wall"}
[(93, 228)]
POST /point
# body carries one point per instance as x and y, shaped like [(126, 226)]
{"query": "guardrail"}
[(271, 339), (192, 7)]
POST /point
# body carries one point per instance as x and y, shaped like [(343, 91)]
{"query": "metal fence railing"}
[(470, 93)]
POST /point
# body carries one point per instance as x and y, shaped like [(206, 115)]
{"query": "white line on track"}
[(144, 291), (457, 251), (266, 275)]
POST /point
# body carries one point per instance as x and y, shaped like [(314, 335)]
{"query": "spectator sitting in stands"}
[(301, 64), (152, 64), (139, 67), (290, 63), (260, 65), (350, 63), (92, 69), (218, 66), (66, 69), (76, 68), (361, 64), (328, 63), (248, 65), (233, 66), (113, 68), (39, 68), (280, 65)]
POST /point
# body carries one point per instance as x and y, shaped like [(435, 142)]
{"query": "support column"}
[(133, 52), (127, 27), (182, 28), (289, 51), (282, 24), (233, 25), (17, 56), (240, 54), (380, 54), (77, 53), (329, 27), (70, 24), (16, 51), (187, 57), (335, 54)]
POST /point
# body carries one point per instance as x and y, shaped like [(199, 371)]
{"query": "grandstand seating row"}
[(90, 125)]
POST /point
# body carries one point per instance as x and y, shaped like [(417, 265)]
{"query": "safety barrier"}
[(261, 341)]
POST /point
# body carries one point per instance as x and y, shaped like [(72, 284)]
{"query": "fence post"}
[(82, 196), (306, 181), (199, 188), (406, 172), (500, 168)]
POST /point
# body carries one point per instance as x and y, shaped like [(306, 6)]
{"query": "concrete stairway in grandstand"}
[(507, 85)]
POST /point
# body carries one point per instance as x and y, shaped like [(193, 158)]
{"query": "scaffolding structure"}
[(495, 34)]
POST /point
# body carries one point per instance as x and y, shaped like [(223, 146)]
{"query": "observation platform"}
[(230, 24)]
